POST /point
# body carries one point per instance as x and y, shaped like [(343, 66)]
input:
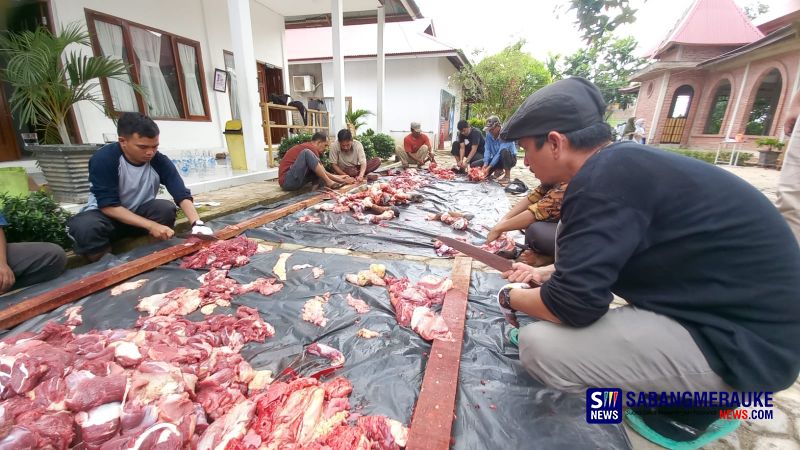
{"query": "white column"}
[(247, 78), (381, 66), (662, 93), (735, 112), (338, 67)]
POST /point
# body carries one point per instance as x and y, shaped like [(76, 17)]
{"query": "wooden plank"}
[(433, 417), (48, 301)]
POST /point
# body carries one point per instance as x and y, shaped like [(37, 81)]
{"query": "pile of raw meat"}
[(456, 221), (502, 243), (373, 203), (170, 383), (216, 290), (411, 302), (476, 174), (442, 174), (224, 254)]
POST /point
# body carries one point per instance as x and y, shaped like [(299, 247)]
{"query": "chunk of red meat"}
[(230, 427), (346, 437), (384, 433), (51, 394), (338, 387), (98, 424), (222, 254), (86, 391)]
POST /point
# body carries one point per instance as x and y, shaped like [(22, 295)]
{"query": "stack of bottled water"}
[(195, 162)]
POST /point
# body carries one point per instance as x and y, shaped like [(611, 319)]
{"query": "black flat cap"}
[(566, 105)]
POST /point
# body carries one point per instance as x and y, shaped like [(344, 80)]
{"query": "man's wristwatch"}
[(197, 222), (505, 297)]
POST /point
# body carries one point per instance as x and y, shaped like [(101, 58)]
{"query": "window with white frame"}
[(166, 67)]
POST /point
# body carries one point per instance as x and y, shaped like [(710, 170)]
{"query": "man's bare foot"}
[(534, 259)]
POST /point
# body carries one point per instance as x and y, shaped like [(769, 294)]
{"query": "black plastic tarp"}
[(387, 371), (410, 234)]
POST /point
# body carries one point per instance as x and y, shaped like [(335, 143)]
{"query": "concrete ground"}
[(783, 432)]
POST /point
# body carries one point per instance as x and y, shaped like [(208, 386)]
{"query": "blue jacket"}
[(492, 148)]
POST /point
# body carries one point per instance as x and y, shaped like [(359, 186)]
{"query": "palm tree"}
[(354, 118), (46, 83)]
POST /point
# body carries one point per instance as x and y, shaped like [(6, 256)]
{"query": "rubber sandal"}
[(717, 430), (513, 337), (516, 187)]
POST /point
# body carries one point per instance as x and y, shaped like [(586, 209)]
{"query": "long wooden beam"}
[(433, 417), (50, 300)]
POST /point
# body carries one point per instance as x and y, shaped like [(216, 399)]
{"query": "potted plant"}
[(769, 156), (46, 81), (356, 119)]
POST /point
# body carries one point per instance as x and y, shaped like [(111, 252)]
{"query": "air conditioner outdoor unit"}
[(302, 83)]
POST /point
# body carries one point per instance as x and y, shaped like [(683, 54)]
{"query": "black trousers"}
[(94, 231), (477, 158), (35, 262), (507, 160), (541, 237)]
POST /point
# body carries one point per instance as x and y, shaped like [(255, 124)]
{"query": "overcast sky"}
[(491, 25)]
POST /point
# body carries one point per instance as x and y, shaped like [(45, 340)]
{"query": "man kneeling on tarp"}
[(125, 178), (707, 264)]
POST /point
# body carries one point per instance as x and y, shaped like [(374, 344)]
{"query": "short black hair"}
[(131, 123), (462, 124), (344, 135), (320, 136), (584, 139)]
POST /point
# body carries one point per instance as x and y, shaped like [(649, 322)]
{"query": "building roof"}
[(783, 34), (712, 22), (658, 67), (360, 41)]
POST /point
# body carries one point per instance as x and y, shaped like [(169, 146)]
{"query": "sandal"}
[(516, 187), (335, 186), (513, 337)]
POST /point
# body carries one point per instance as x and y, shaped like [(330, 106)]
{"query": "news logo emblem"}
[(604, 405)]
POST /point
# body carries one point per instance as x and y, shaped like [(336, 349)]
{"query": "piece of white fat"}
[(125, 349), (280, 266), (102, 414)]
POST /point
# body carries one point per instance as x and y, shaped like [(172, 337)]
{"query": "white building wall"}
[(413, 90), (205, 21)]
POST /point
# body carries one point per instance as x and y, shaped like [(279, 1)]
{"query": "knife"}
[(204, 237), (488, 258)]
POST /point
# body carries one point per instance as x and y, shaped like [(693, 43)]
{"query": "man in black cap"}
[(706, 262), (468, 148)]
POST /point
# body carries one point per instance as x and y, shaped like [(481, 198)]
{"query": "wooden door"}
[(9, 147), (273, 80)]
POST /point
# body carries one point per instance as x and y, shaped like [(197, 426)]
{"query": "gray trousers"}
[(35, 262), (301, 171), (628, 348)]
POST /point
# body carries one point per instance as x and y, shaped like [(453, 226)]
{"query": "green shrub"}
[(708, 156), (477, 123), (35, 218), (290, 142), (384, 145), (369, 146)]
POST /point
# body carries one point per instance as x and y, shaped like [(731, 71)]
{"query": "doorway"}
[(678, 112), (270, 81)]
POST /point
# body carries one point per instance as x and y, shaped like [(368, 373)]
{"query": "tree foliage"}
[(608, 63), (596, 19), (499, 83), (756, 9)]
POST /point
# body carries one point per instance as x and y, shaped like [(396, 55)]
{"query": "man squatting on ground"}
[(301, 165), (125, 178), (468, 148), (499, 156), (712, 285), (416, 148)]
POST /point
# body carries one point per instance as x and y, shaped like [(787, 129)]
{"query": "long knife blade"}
[(488, 258)]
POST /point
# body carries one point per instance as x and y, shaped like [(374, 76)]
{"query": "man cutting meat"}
[(125, 178), (301, 164), (348, 158), (706, 262)]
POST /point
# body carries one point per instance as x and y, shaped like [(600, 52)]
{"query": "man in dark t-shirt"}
[(707, 264), (468, 148)]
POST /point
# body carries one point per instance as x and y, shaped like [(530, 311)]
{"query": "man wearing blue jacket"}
[(498, 155), (125, 178)]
